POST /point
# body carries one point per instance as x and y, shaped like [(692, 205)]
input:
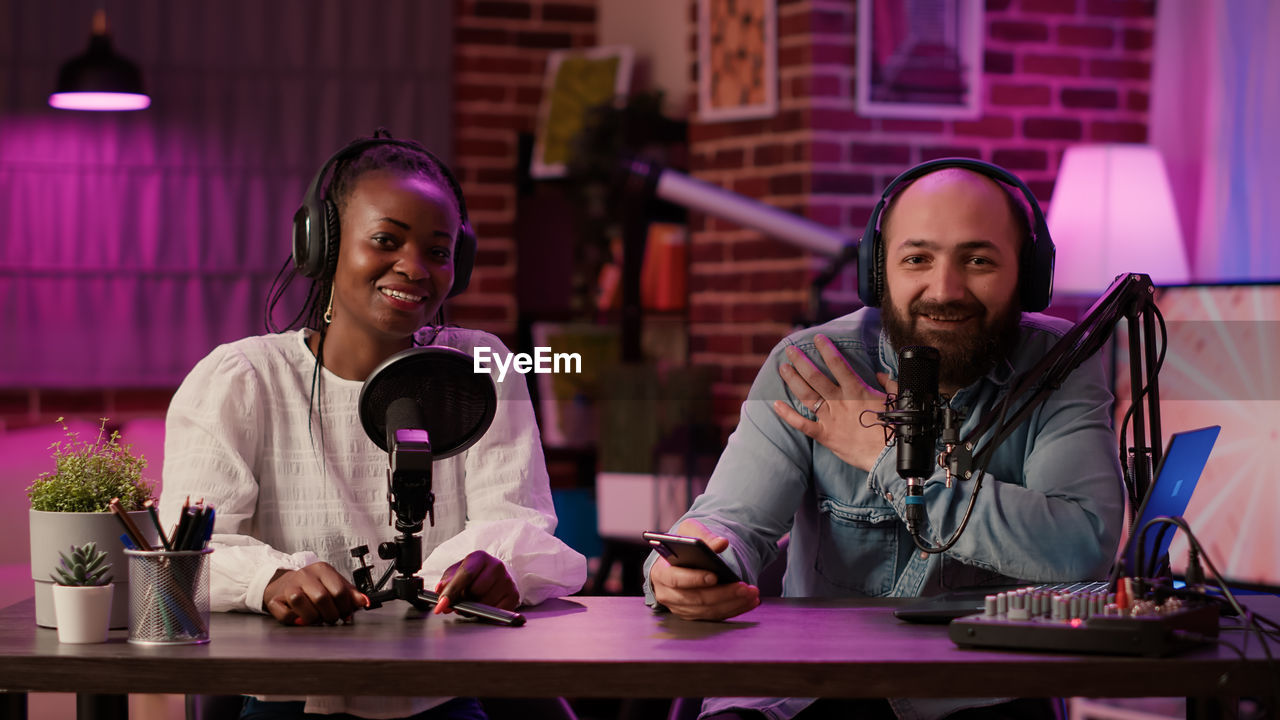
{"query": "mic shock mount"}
[(949, 417)]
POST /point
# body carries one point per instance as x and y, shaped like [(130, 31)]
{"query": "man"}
[(953, 243)]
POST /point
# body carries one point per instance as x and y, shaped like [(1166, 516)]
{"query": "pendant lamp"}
[(99, 79)]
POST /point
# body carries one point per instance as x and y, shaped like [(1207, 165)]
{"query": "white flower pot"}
[(54, 532), (83, 613)]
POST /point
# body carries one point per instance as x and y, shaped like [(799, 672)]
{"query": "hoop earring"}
[(328, 312)]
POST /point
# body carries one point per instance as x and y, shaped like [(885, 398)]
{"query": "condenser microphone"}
[(917, 429), (422, 405), (917, 405), (409, 475)]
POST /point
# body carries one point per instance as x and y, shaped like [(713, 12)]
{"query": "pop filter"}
[(458, 403)]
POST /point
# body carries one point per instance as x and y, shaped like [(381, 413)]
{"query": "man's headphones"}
[(1035, 272), (316, 228)]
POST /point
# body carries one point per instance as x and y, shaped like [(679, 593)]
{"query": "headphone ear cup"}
[(871, 262), (303, 257), (464, 259), (870, 277), (1037, 271)]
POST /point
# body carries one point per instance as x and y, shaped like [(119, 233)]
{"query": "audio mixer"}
[(1086, 622)]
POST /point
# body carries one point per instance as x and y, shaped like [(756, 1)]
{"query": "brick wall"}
[(1056, 72), (500, 54)]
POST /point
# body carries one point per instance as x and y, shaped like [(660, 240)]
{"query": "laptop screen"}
[(1175, 479)]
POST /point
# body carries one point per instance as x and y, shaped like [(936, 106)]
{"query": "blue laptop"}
[(1180, 469), (1176, 478)]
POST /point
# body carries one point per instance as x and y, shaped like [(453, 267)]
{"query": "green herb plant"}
[(86, 566), (87, 475)]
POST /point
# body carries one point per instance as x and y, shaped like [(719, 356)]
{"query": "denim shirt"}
[(1050, 509)]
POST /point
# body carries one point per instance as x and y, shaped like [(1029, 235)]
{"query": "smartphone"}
[(690, 552)]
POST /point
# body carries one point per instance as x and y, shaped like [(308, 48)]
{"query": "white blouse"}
[(288, 493)]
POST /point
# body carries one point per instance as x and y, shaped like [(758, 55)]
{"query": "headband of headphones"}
[(316, 228), (1035, 280)]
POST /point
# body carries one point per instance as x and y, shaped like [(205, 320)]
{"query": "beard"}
[(966, 353)]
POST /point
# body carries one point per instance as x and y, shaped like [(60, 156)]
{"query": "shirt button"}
[(888, 496), (924, 555)]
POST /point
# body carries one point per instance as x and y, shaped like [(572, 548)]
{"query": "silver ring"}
[(817, 405)]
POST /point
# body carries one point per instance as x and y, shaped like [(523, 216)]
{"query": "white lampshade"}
[(1113, 213)]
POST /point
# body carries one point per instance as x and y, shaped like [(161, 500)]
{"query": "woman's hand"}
[(314, 594), (479, 577)]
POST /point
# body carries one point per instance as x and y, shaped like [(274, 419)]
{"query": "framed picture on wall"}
[(919, 58), (737, 59), (576, 81)]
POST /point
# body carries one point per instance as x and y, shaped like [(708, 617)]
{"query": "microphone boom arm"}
[(1131, 296)]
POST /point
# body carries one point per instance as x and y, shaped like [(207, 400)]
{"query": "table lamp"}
[(1112, 213)]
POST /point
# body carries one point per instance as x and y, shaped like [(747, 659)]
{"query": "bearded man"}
[(957, 267)]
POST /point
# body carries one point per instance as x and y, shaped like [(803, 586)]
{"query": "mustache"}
[(954, 309)]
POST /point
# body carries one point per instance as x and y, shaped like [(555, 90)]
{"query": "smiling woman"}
[(267, 429), (393, 271)]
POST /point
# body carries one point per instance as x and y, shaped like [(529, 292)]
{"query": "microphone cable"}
[(1251, 621)]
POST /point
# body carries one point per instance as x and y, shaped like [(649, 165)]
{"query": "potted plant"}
[(71, 505), (82, 595)]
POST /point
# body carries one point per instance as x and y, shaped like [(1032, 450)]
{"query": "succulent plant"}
[(87, 565)]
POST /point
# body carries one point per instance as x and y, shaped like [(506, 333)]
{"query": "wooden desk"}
[(609, 647)]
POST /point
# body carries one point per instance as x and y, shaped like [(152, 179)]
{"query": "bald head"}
[(951, 242), (958, 191)]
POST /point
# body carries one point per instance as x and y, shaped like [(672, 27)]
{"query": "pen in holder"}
[(169, 597)]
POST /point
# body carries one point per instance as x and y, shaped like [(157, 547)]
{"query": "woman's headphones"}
[(1035, 271), (316, 228)]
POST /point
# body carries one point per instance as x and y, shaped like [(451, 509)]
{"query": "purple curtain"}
[(133, 243)]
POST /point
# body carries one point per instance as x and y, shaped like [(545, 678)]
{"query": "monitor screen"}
[(1223, 368)]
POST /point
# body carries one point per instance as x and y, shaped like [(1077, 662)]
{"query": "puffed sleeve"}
[(212, 442)]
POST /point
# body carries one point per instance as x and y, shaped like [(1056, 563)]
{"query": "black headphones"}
[(1035, 272), (316, 228)]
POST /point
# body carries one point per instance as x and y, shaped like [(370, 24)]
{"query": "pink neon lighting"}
[(99, 101)]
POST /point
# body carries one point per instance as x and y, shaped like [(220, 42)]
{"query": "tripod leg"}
[(377, 598)]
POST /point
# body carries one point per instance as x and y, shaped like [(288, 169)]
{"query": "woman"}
[(267, 431)]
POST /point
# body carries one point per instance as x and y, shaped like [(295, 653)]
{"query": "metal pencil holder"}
[(169, 597)]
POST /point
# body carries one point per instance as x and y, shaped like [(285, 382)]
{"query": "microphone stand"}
[(1131, 297), (409, 493)]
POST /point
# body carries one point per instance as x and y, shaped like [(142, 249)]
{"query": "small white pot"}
[(83, 613)]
